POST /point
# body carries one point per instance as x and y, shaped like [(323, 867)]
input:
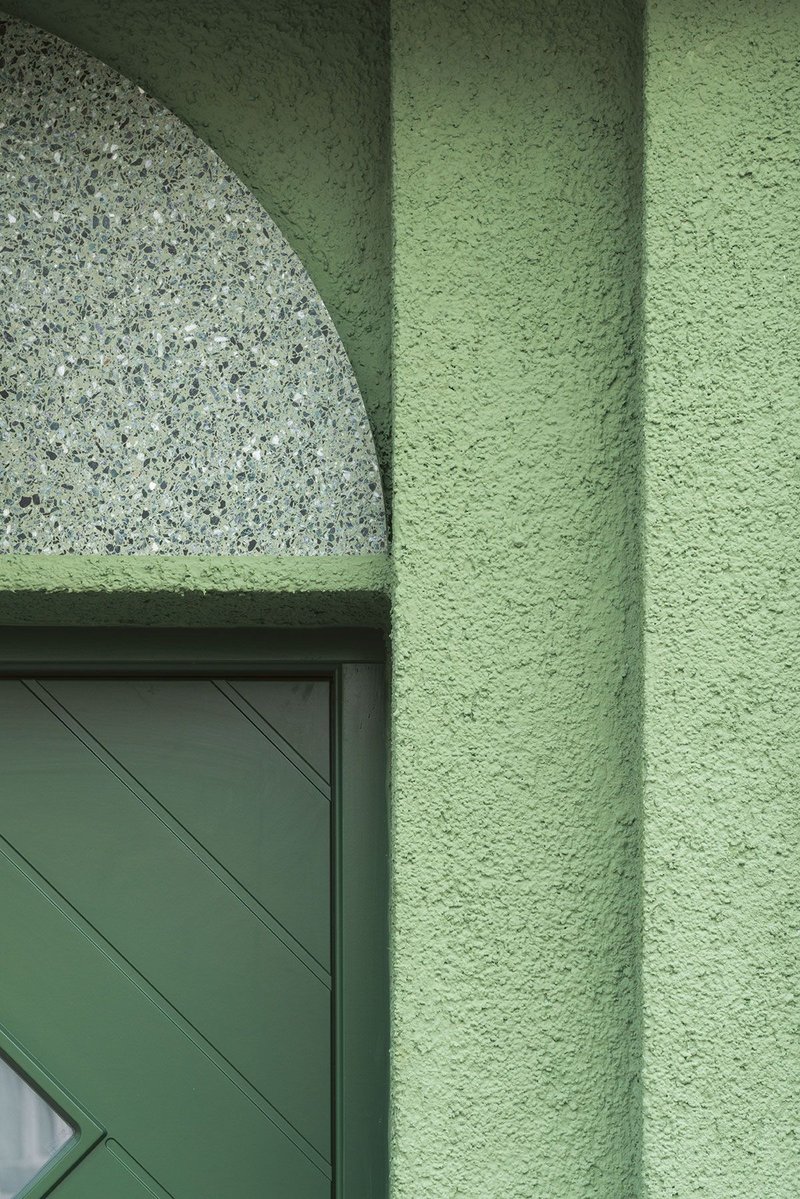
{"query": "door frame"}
[(354, 661)]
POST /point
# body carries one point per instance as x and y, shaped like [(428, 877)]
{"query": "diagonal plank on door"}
[(298, 710), (110, 1173), (181, 832), (162, 909), (82, 1119), (132, 1066), (234, 791)]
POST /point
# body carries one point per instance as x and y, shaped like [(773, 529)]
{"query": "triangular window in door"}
[(32, 1131)]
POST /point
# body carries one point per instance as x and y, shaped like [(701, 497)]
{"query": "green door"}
[(167, 867)]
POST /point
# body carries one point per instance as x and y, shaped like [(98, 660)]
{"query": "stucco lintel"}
[(330, 590)]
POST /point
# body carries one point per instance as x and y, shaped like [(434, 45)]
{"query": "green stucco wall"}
[(516, 621), (594, 569), (206, 590), (722, 836), (295, 98)]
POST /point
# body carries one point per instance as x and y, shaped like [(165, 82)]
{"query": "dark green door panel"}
[(147, 1077), (193, 954), (299, 710), (233, 788), (110, 1173), (131, 875)]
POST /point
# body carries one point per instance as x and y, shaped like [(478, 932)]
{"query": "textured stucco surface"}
[(516, 620), (336, 590), (295, 98), (517, 723), (722, 834)]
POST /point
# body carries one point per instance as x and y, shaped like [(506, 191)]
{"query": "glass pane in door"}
[(31, 1131)]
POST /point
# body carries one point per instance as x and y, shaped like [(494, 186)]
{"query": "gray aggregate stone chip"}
[(170, 380)]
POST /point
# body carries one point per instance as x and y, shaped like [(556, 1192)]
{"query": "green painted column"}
[(722, 833), (516, 746)]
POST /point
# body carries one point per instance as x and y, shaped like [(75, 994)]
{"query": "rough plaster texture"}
[(516, 757), (722, 836), (338, 590), (295, 98)]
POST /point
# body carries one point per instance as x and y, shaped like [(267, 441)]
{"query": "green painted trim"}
[(186, 652), (322, 591), (361, 963)]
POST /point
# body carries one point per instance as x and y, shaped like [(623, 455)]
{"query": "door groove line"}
[(152, 995), (129, 1163), (96, 1149), (179, 830), (263, 726)]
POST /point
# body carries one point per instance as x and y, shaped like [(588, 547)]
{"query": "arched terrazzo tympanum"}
[(170, 381)]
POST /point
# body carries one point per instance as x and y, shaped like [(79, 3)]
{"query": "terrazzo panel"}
[(170, 380)]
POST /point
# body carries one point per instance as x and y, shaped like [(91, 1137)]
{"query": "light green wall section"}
[(295, 98), (331, 590), (516, 618), (722, 833)]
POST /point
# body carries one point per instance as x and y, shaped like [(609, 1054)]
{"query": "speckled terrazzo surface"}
[(170, 380)]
